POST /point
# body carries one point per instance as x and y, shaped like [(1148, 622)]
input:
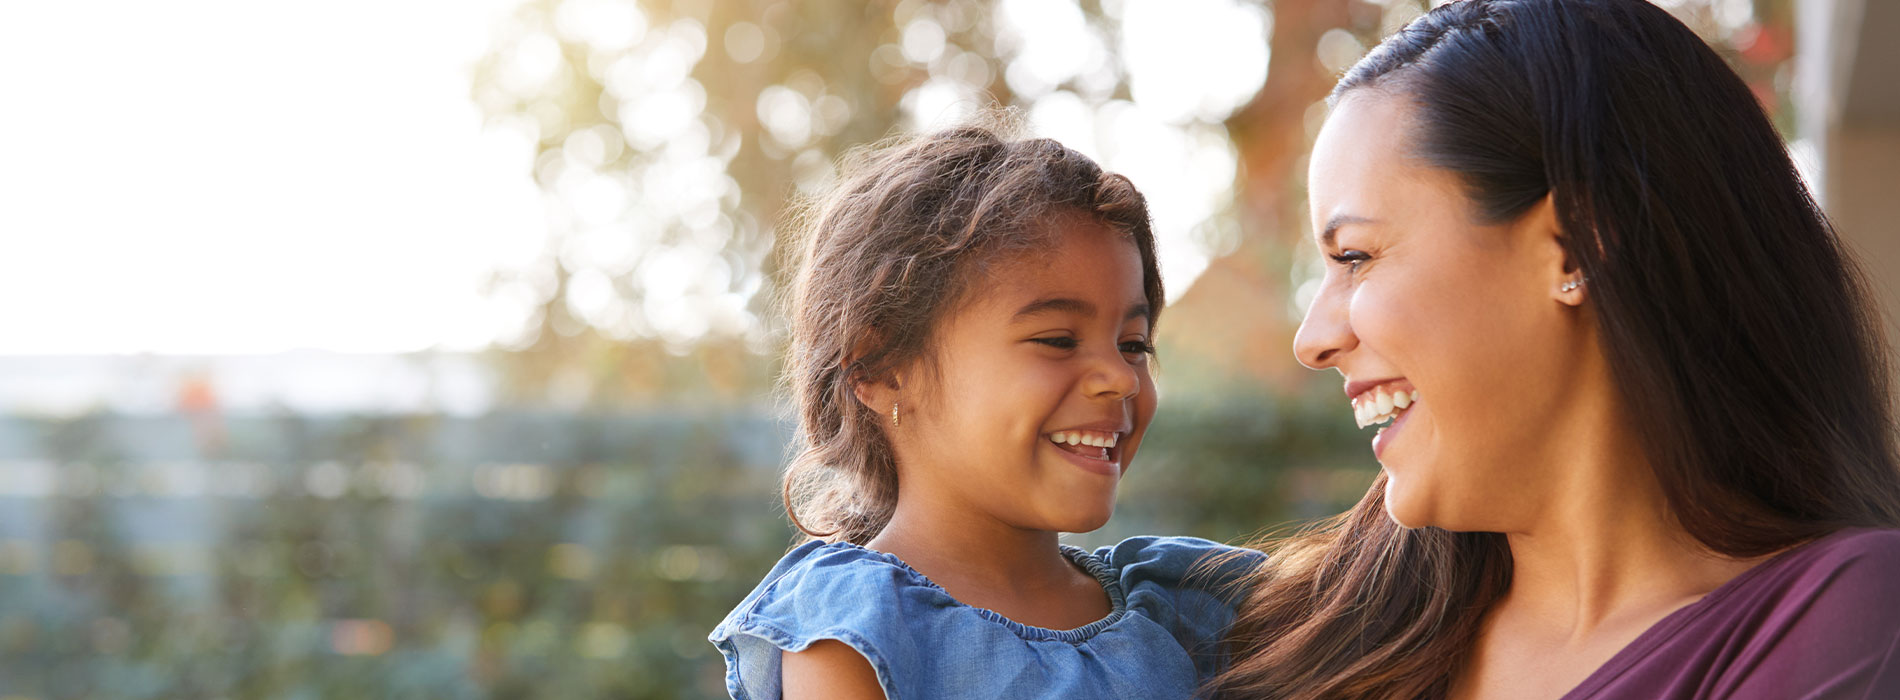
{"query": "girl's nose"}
[(1113, 377)]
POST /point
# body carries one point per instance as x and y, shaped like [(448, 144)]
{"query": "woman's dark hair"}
[(891, 252), (1735, 326)]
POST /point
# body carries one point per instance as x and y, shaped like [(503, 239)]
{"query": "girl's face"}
[(1459, 332), (1039, 391)]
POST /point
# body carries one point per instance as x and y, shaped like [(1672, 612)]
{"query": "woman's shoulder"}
[(1820, 614), (1858, 564)]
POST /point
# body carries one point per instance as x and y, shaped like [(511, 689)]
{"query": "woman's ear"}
[(1557, 268)]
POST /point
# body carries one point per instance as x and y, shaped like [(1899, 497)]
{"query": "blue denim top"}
[(1160, 640)]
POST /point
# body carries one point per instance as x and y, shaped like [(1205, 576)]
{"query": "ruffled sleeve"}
[(817, 592), (1188, 585)]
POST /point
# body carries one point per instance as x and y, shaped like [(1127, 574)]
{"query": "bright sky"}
[(238, 177), (234, 177)]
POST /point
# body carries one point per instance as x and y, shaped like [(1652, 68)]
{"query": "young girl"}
[(971, 337)]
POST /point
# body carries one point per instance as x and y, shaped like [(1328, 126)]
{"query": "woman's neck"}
[(1606, 548)]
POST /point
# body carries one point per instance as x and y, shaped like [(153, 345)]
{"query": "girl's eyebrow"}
[(1073, 306), (1056, 305)]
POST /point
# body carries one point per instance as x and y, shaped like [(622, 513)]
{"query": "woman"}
[(1640, 441)]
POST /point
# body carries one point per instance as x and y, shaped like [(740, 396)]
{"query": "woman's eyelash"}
[(1350, 258), (1060, 342)]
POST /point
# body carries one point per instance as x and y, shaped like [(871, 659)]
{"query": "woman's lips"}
[(1384, 437)]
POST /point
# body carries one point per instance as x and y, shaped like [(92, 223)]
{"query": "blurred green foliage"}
[(512, 555)]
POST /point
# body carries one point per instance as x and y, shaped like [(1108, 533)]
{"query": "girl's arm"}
[(826, 670)]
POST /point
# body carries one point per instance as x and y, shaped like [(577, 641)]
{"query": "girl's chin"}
[(1076, 521)]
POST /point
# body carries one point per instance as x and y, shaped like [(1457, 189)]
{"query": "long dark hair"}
[(893, 250), (1735, 326)]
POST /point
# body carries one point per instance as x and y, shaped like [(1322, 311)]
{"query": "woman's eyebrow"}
[(1331, 232)]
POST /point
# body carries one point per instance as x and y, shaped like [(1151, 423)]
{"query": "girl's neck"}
[(968, 546), (1019, 573)]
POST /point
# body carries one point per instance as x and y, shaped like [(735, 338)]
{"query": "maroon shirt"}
[(1819, 621)]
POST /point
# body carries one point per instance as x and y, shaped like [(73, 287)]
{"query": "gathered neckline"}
[(1118, 603)]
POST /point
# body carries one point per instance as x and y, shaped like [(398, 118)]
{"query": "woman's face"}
[(1462, 327), (1039, 391)]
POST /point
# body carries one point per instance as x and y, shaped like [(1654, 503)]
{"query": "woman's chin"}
[(1403, 510)]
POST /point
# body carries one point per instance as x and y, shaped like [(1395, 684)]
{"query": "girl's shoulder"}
[(1180, 562), (1188, 586), (826, 591), (830, 584)]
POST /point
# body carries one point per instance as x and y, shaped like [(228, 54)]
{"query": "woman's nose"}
[(1325, 332)]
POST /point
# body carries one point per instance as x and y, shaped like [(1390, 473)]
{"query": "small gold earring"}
[(894, 421)]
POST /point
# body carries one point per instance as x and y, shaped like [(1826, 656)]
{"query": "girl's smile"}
[(1095, 448), (1040, 380)]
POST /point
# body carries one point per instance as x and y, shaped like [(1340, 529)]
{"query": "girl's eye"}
[(1350, 258), (1138, 347), (1060, 342)]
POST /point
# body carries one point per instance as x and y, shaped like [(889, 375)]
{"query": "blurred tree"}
[(675, 139)]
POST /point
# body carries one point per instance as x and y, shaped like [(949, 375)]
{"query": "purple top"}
[(1820, 621)]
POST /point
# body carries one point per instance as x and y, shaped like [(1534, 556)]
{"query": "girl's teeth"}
[(1077, 437), (1403, 399), (1385, 403)]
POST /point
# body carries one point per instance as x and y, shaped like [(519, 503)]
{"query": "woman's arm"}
[(826, 670)]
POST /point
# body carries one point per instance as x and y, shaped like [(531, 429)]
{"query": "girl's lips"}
[(1106, 467)]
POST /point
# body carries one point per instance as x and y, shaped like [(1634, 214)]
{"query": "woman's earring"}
[(1571, 285), (894, 422)]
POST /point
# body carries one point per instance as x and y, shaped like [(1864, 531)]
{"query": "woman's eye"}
[(1058, 342), (1350, 258)]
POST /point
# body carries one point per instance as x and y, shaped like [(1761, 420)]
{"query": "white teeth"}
[(1380, 406), (1079, 437)]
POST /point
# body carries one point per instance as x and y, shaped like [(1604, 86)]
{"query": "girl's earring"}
[(1571, 285), (894, 422)]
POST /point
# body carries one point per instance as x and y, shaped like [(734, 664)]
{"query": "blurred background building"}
[(427, 348)]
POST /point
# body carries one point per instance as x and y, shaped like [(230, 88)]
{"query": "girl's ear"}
[(876, 393), (1560, 272)]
